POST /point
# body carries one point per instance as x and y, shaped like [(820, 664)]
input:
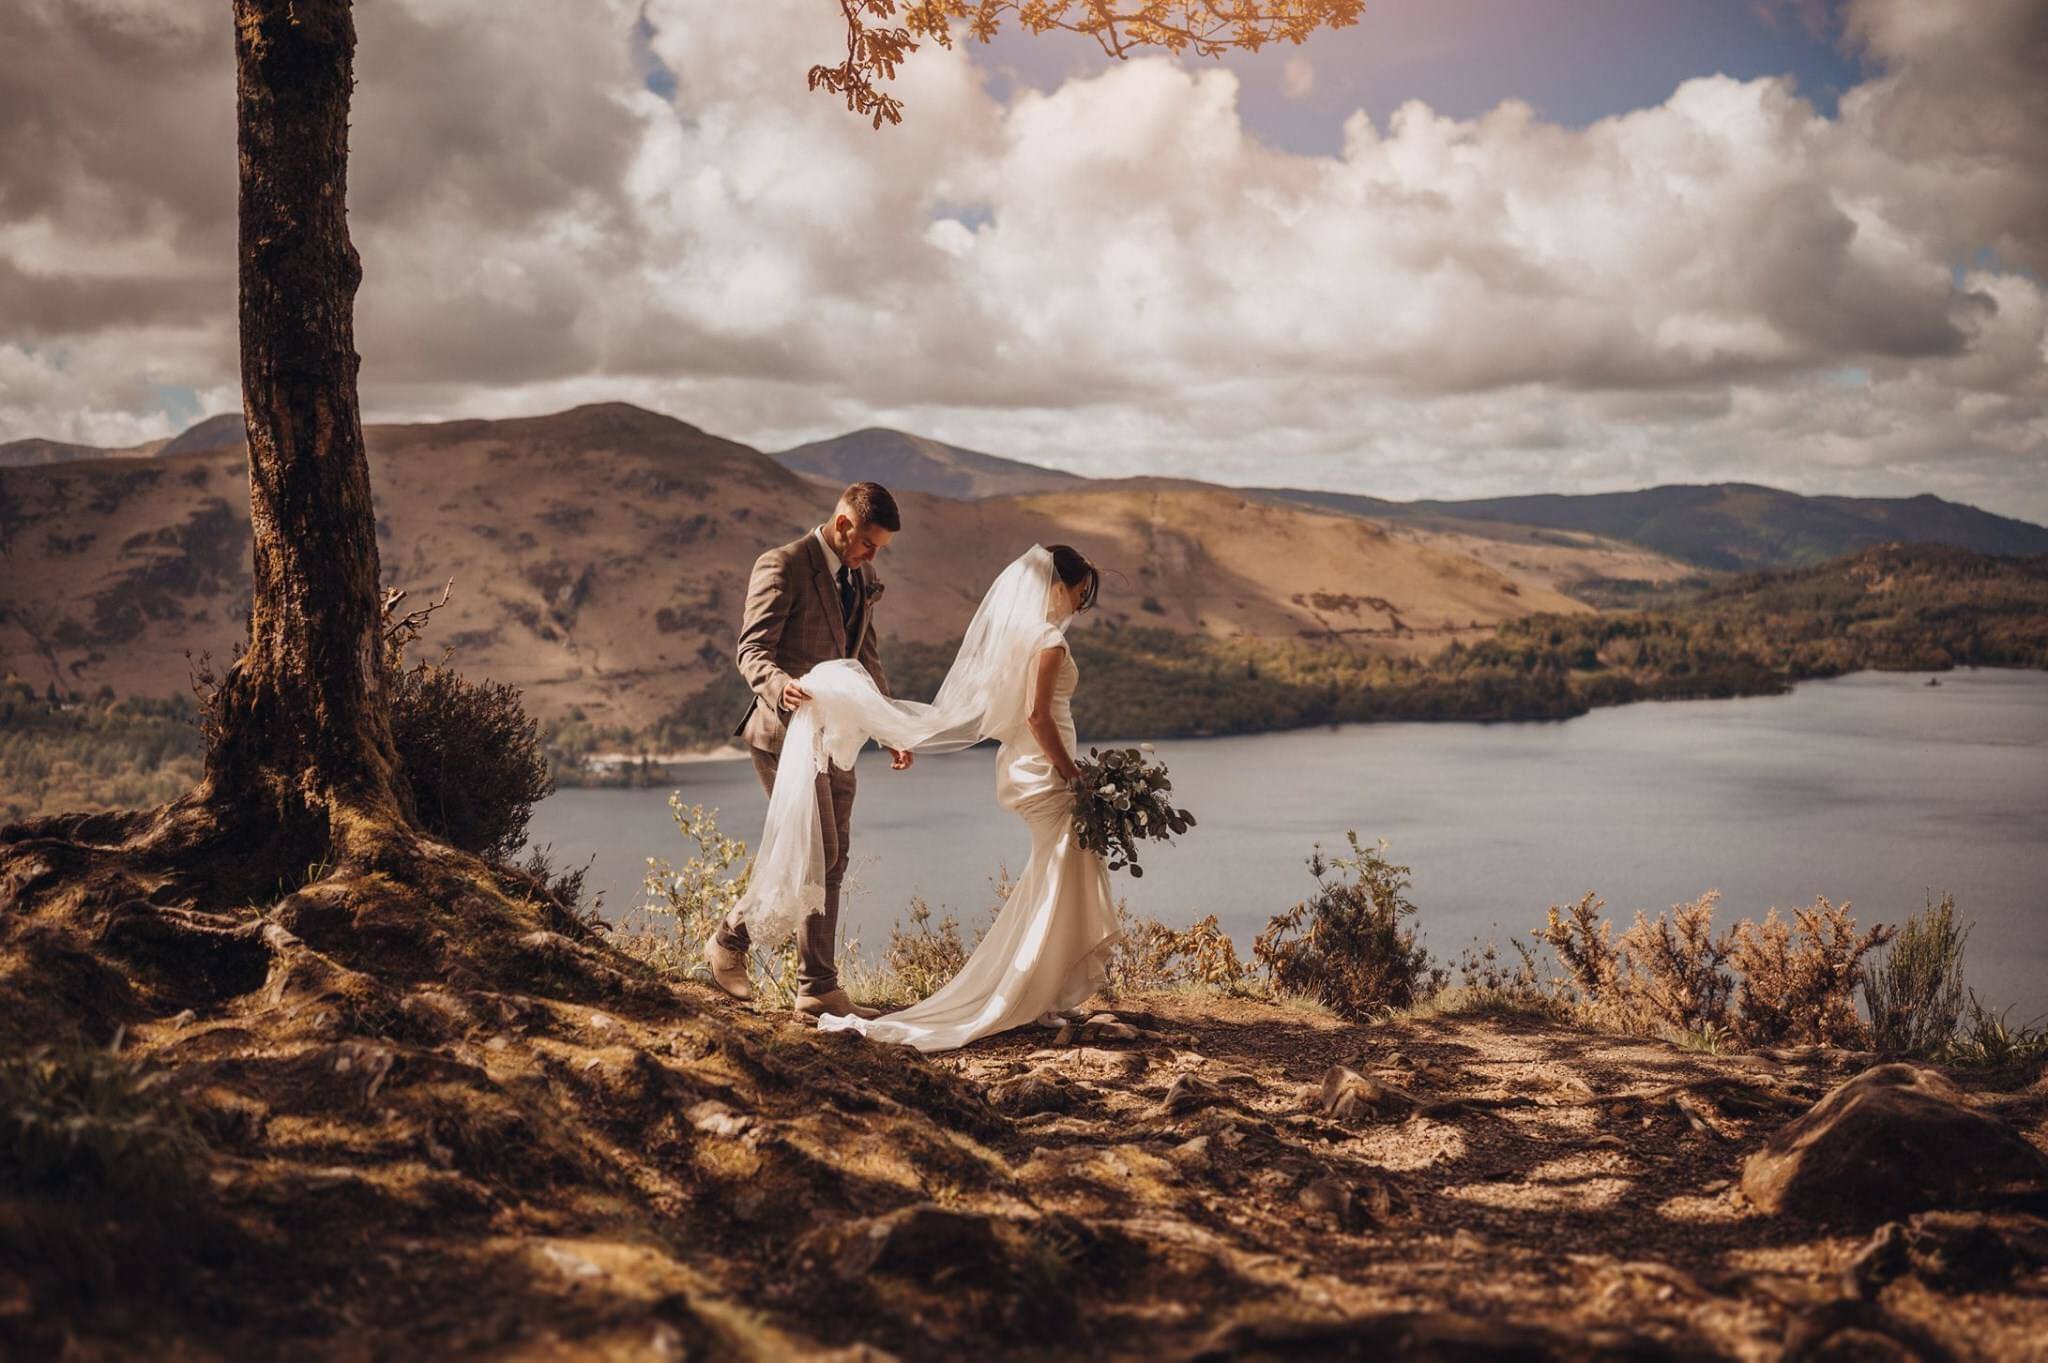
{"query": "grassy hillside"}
[(599, 557)]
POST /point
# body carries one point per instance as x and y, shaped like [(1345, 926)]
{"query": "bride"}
[(1013, 681)]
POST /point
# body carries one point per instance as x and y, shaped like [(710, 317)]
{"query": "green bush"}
[(687, 902), (471, 757), (1348, 946), (1915, 991)]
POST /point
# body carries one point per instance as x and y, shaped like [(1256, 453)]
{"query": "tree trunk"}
[(305, 731)]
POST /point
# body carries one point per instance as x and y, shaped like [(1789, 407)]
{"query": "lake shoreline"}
[(1872, 788), (629, 771)]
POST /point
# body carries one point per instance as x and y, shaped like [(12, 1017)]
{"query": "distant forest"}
[(1904, 608), (1898, 608)]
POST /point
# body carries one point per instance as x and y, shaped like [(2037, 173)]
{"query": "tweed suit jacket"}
[(793, 621)]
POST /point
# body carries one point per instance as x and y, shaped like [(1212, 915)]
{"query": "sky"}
[(1465, 248)]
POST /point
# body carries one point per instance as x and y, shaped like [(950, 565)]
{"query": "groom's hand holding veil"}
[(900, 759)]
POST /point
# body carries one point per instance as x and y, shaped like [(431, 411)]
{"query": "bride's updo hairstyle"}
[(1076, 571)]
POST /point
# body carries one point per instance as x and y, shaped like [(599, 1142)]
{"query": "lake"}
[(1876, 788)]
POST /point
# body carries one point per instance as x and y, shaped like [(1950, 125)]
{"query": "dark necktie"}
[(846, 592)]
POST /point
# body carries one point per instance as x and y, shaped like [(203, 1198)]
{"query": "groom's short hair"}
[(871, 504)]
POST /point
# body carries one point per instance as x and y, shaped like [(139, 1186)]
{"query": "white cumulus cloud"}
[(1113, 276)]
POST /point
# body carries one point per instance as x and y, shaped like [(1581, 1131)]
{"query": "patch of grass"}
[(83, 1121), (1468, 1000), (1988, 1041)]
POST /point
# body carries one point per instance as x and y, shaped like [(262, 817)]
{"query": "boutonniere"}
[(875, 589)]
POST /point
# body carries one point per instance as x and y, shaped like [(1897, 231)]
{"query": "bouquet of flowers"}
[(1120, 799)]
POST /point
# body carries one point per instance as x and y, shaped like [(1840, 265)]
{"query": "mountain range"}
[(599, 554), (599, 557), (1719, 527)]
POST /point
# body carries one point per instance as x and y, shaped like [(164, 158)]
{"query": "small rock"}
[(1110, 1031), (368, 1063), (1191, 1152), (1878, 1262), (1351, 1206), (714, 1118), (1958, 1251), (1029, 1094), (572, 1264), (1894, 1140), (1116, 1064), (1190, 1093), (1350, 1096)]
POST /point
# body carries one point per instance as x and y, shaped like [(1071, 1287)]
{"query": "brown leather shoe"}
[(729, 970), (834, 1001)]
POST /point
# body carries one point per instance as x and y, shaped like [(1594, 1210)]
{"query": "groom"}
[(810, 601)]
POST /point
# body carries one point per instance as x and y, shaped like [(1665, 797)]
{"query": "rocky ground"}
[(475, 1132)]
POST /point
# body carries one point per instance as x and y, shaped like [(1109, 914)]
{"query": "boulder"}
[(1894, 1140)]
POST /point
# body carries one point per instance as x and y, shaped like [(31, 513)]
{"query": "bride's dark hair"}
[(1076, 571)]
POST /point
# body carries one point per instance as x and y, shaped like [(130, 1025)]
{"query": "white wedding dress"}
[(1048, 948)]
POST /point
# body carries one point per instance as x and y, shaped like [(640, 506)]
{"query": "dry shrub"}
[(1760, 984), (565, 885), (1487, 983), (1662, 976), (921, 957), (1135, 961), (1678, 982), (1596, 973), (1348, 946), (1200, 956), (1799, 980), (1915, 990)]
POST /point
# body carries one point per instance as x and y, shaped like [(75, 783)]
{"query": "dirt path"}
[(427, 1169)]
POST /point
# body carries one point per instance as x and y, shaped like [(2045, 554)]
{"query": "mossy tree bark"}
[(304, 742)]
